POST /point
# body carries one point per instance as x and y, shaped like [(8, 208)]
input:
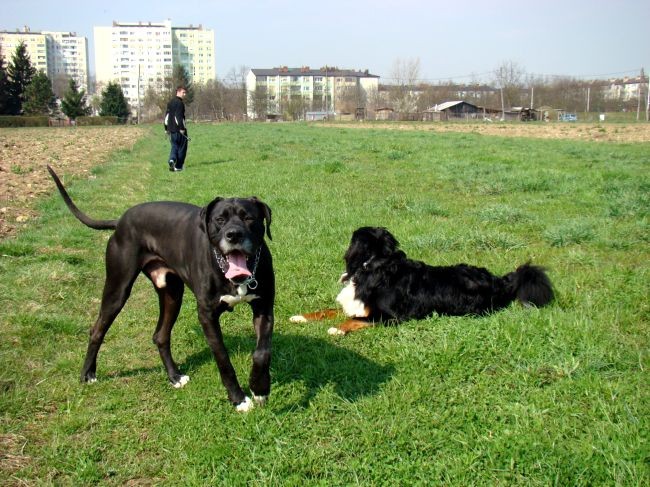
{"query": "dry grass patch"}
[(639, 132)]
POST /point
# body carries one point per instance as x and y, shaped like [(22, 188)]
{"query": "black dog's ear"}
[(266, 211), (205, 213), (389, 243)]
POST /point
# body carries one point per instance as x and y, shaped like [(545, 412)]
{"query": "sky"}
[(460, 41)]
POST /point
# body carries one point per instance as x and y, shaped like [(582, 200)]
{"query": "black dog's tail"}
[(530, 285), (81, 216)]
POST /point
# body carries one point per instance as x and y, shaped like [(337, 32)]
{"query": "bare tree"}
[(509, 78), (237, 96), (405, 74), (349, 98)]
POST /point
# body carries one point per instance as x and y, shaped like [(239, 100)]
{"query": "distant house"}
[(384, 113), (523, 114), (452, 110), (316, 116), (624, 88)]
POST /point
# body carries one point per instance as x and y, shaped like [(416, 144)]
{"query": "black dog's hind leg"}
[(170, 299), (120, 276)]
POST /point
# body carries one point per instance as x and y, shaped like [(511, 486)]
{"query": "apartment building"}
[(35, 42), (67, 56), (140, 55), (193, 48), (58, 54), (327, 89)]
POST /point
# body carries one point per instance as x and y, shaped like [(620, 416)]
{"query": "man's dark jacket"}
[(175, 116)]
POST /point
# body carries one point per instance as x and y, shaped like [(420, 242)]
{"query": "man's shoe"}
[(176, 169), (172, 165)]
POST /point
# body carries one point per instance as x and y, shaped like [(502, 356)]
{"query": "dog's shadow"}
[(313, 363)]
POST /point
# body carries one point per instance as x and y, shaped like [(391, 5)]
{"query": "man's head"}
[(181, 91)]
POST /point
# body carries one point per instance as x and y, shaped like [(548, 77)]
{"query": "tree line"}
[(510, 86), (26, 91)]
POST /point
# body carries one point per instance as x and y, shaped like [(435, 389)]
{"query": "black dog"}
[(384, 285), (218, 251)]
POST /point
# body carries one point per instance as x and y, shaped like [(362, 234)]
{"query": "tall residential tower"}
[(140, 55), (58, 54)]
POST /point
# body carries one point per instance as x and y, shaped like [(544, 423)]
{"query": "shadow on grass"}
[(200, 162), (313, 363)]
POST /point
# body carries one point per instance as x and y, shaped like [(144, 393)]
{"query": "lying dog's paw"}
[(244, 406), (335, 331), (182, 380), (298, 319)]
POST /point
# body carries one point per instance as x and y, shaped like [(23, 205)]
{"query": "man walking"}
[(175, 127)]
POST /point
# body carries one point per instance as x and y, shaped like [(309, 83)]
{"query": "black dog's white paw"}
[(245, 406), (182, 380), (260, 400)]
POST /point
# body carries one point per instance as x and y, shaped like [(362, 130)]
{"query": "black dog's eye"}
[(249, 219), (220, 221)]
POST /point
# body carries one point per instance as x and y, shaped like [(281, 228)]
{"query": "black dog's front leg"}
[(210, 322), (260, 379)]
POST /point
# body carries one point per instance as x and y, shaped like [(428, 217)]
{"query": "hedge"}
[(20, 121), (97, 121)]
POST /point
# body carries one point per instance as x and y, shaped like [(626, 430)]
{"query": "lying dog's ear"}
[(389, 243), (266, 211), (205, 213)]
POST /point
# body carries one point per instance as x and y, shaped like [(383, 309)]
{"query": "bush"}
[(20, 121), (97, 121)]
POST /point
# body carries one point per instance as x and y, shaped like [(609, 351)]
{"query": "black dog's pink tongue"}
[(237, 266)]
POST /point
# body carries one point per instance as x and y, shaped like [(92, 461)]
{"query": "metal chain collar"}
[(251, 282)]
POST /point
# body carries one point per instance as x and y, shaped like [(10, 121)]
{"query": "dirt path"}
[(71, 150)]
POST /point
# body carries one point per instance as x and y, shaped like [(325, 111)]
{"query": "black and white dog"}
[(383, 285), (218, 251)]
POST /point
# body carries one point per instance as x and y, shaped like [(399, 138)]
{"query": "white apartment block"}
[(35, 42), (193, 48), (326, 89), (140, 55), (58, 54), (67, 55)]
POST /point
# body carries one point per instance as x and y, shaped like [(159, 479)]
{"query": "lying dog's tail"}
[(530, 285), (81, 216)]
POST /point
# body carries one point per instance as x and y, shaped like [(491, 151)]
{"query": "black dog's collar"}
[(251, 282)]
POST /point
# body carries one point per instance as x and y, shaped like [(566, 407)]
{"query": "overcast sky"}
[(454, 40)]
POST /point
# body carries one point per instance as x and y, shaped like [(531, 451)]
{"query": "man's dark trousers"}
[(179, 149)]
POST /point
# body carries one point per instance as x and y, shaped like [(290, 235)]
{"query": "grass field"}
[(552, 396)]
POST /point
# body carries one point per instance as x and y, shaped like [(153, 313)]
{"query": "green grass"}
[(557, 395)]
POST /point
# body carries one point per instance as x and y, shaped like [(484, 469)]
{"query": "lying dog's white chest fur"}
[(242, 296), (352, 307)]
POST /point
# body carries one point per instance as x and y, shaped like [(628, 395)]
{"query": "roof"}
[(307, 71), (441, 107)]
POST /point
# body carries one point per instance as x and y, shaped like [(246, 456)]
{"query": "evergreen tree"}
[(74, 103), (180, 77), (4, 87), (39, 97), (20, 72), (113, 103)]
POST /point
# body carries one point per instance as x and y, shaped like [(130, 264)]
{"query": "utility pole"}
[(647, 106), (532, 97), (503, 108), (638, 95)]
